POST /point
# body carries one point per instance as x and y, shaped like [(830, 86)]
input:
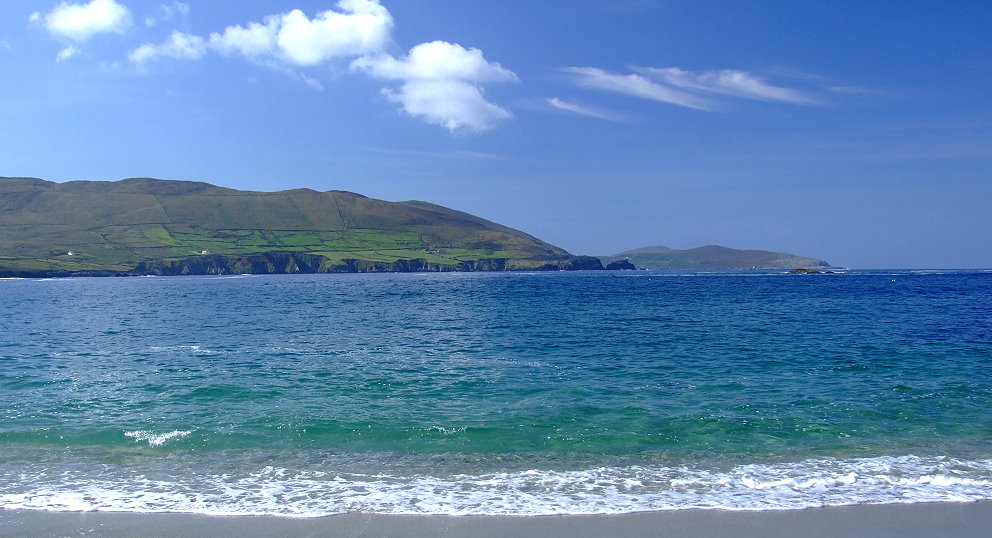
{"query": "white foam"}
[(156, 439), (189, 349), (318, 492), (446, 431)]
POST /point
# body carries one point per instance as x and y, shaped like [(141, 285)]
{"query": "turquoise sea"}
[(495, 393)]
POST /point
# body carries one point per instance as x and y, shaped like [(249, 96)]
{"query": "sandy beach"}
[(928, 519)]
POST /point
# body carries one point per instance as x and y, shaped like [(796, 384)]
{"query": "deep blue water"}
[(495, 392)]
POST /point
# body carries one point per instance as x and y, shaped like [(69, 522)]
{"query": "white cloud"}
[(440, 84), (360, 27), (307, 42), (580, 109), (452, 104), (255, 41), (638, 86), (730, 82), (79, 22), (178, 46), (437, 60)]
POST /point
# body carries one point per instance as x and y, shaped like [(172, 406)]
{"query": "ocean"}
[(495, 393)]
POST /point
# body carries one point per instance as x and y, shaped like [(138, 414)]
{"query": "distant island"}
[(146, 226), (713, 257)]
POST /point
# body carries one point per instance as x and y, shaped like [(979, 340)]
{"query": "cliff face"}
[(295, 262), (150, 226)]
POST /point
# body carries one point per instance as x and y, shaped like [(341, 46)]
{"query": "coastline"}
[(885, 520)]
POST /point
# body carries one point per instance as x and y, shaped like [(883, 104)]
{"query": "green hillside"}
[(713, 257), (150, 226)]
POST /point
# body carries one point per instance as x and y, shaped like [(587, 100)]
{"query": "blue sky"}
[(858, 132)]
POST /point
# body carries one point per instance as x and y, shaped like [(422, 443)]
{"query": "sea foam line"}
[(197, 350), (606, 490)]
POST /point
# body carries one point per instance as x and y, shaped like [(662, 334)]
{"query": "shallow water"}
[(495, 392)]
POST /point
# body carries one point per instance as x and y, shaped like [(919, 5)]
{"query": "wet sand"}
[(930, 519)]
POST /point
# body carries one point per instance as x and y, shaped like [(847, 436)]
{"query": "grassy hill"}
[(152, 226), (713, 257)]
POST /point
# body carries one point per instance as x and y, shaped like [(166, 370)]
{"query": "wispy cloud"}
[(825, 83), (637, 86), (730, 82), (700, 90), (581, 109), (66, 53), (167, 12)]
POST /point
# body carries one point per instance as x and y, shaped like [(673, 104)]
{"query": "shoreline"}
[(877, 520)]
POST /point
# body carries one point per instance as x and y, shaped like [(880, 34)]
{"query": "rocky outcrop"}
[(620, 265), (575, 263)]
